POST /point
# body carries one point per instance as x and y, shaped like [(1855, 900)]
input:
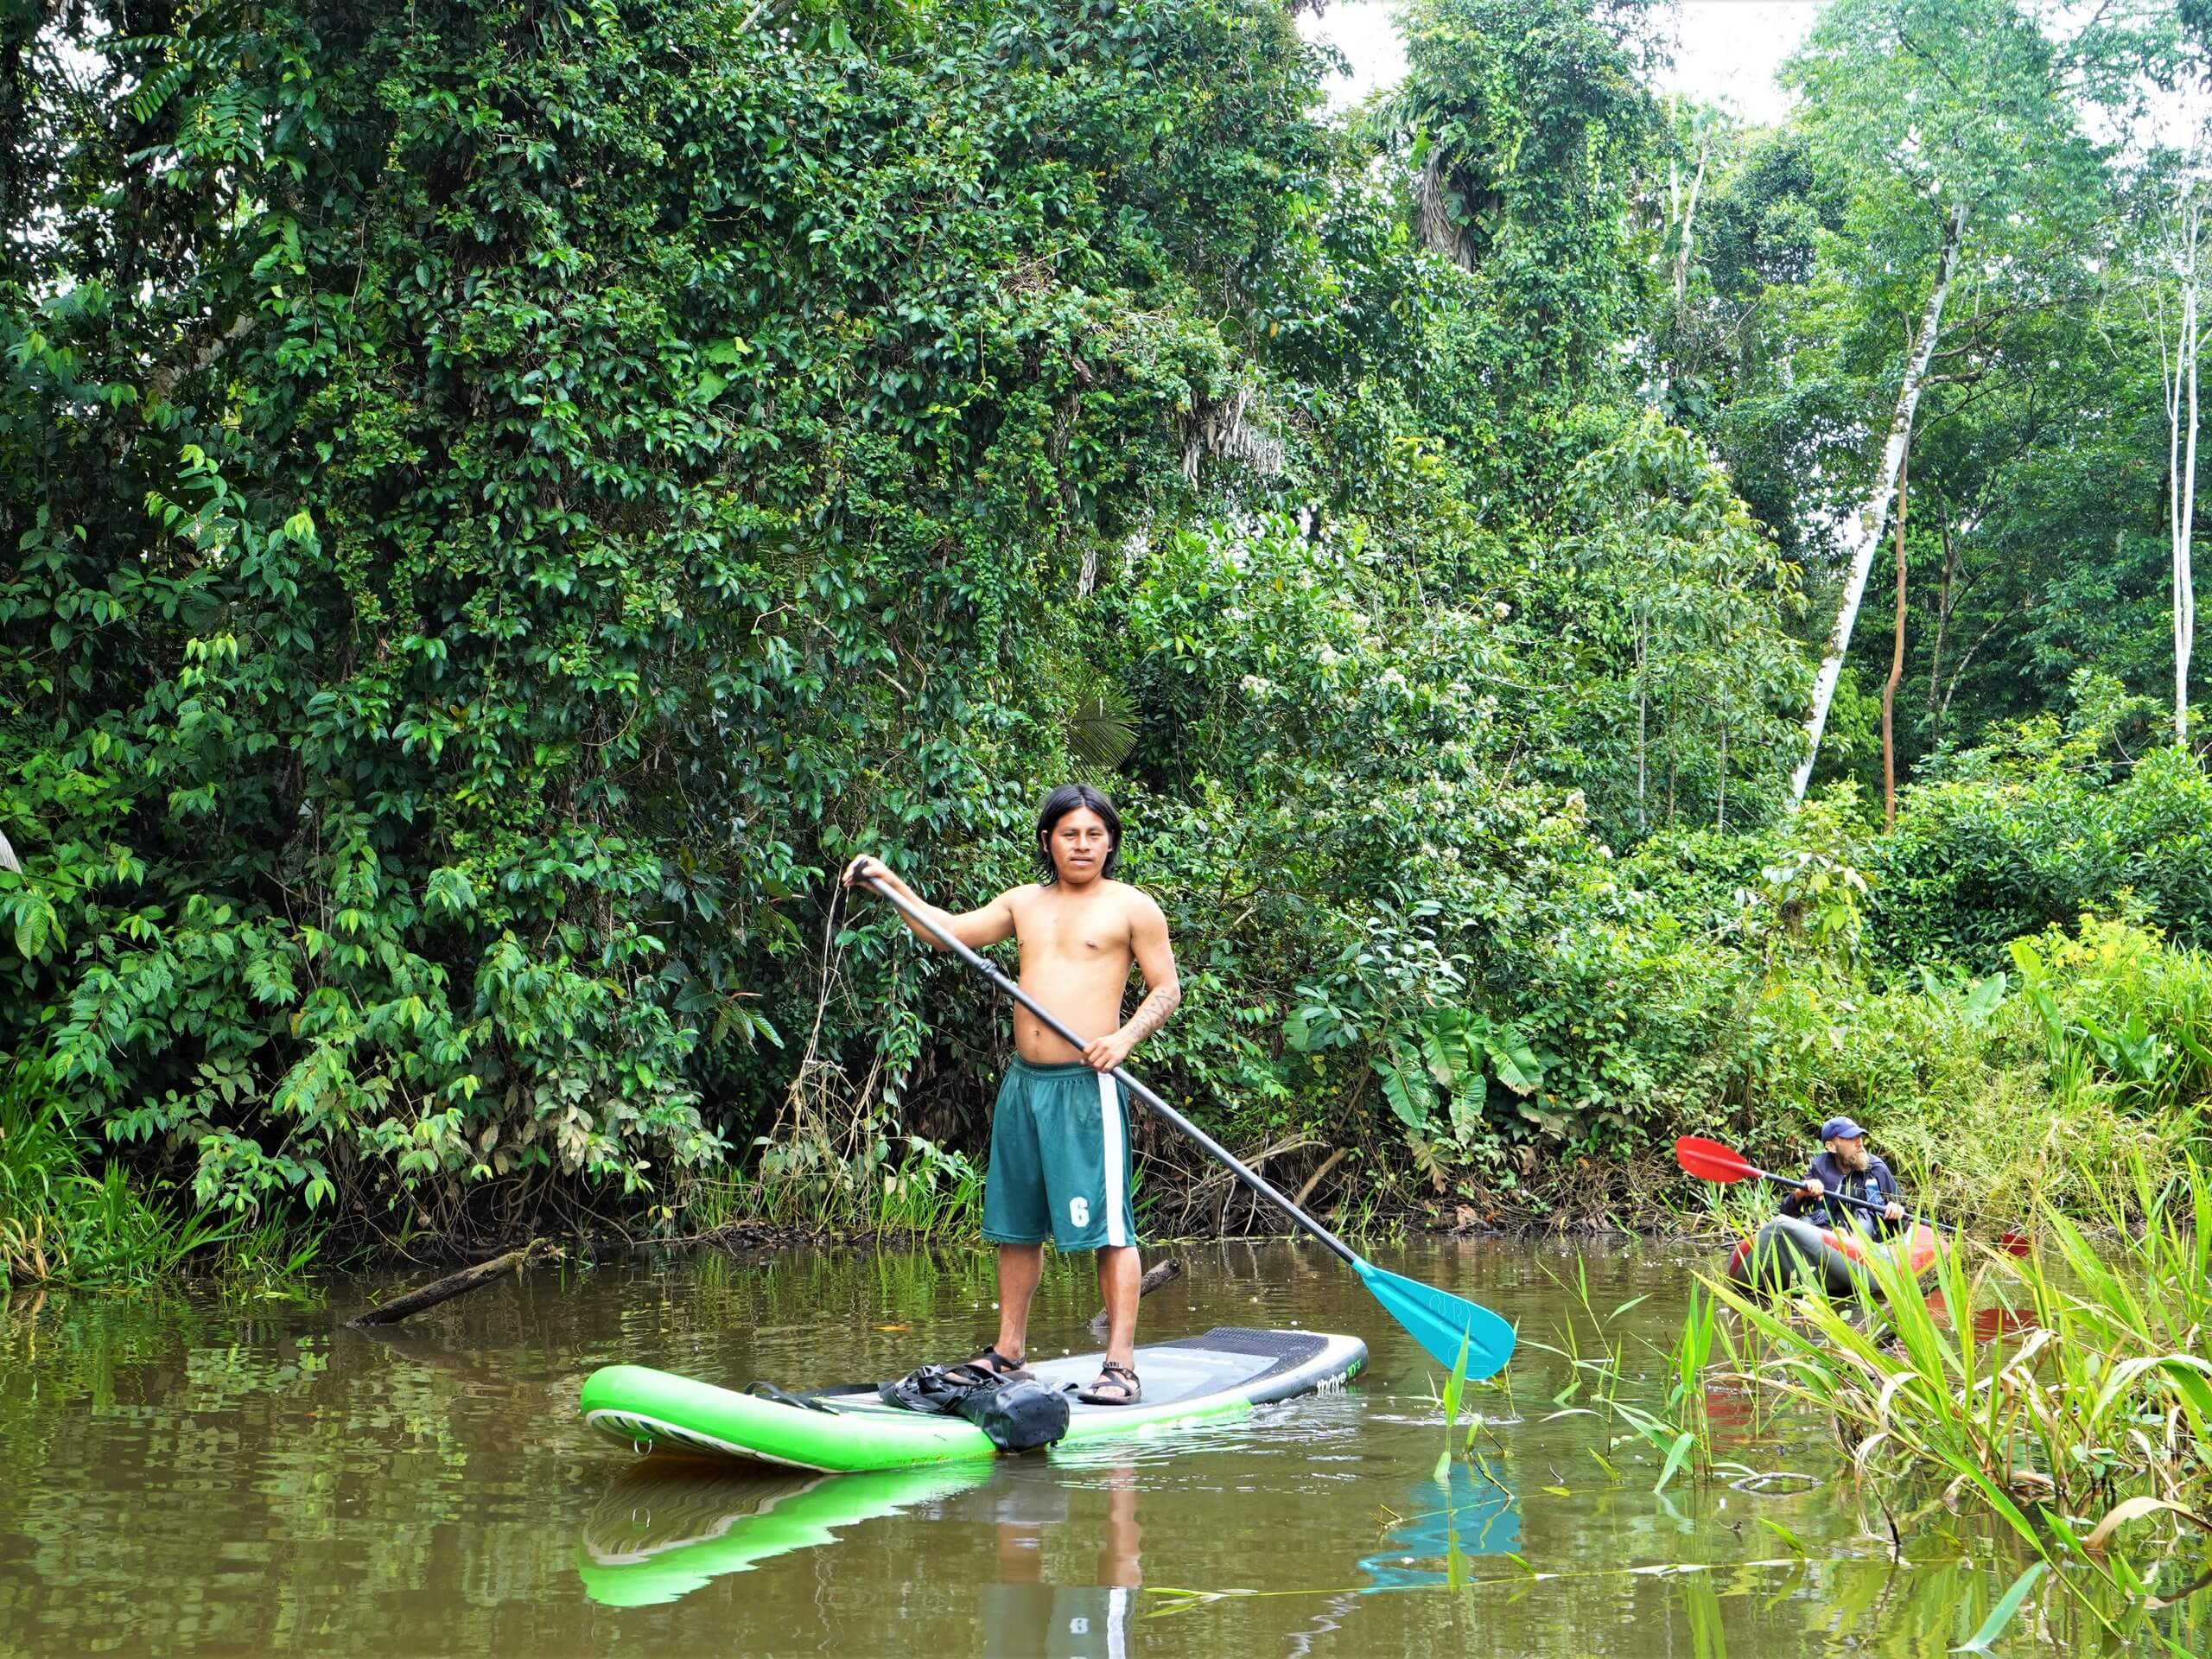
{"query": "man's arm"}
[(1892, 1197), (974, 928), (1163, 990), (1810, 1195)]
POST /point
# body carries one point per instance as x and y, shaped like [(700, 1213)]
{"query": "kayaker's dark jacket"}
[(1875, 1184)]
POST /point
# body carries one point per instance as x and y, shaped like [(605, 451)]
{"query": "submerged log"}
[(453, 1284), (1165, 1273)]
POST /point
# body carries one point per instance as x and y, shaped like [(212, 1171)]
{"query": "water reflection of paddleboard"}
[(1473, 1513), (666, 1528)]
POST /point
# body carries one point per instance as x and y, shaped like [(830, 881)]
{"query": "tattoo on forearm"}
[(1152, 1013)]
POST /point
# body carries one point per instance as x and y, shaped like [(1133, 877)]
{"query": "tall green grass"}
[(1677, 1425), (901, 1186), (68, 1218), (2082, 1419)]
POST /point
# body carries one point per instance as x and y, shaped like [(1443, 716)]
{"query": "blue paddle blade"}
[(1437, 1320)]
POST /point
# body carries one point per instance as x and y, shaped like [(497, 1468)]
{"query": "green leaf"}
[(1796, 1544), (1513, 1062), (2001, 1614), (1681, 1450), (1405, 1086), (35, 923), (1982, 998)]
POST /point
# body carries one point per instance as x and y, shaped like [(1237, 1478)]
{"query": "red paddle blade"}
[(1711, 1161), (2015, 1244)]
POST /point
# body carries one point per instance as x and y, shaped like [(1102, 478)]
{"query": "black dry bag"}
[(1019, 1416)]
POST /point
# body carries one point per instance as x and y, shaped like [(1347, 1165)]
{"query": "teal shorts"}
[(1059, 1162)]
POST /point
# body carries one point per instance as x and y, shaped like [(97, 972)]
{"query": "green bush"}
[(2033, 831)]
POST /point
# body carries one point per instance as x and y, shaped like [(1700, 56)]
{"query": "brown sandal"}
[(1117, 1385), (992, 1362)]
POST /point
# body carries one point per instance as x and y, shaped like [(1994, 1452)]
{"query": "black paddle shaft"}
[(1867, 1205), (1058, 1027)]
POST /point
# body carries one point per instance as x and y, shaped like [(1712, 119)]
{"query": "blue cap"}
[(1842, 1128)]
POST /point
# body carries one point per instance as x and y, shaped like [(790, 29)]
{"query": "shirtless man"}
[(1060, 1131)]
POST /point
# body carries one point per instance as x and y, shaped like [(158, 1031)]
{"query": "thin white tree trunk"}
[(1689, 224), (1863, 530), (2181, 454), (1720, 810), (1642, 708)]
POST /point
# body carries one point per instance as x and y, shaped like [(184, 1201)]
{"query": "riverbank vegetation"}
[(2067, 1393), (500, 503)]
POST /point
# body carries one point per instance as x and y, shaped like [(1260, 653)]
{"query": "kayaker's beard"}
[(1853, 1156)]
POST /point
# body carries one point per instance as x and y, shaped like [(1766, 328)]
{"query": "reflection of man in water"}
[(1024, 1617)]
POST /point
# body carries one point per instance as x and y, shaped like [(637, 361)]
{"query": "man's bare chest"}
[(1089, 938)]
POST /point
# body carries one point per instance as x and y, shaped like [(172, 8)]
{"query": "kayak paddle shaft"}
[(1709, 1160)]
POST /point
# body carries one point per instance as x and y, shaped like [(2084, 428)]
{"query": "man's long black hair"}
[(1067, 798)]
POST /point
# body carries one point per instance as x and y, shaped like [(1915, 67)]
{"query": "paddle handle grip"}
[(1867, 1205), (1058, 1027)]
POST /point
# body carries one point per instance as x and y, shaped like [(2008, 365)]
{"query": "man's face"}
[(1080, 844), (1851, 1153)]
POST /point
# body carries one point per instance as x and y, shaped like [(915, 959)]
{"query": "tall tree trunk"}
[(1863, 531), (2181, 454), (1943, 597), (1896, 667), (1690, 225), (1643, 714)]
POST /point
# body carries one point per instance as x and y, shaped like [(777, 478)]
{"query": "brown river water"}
[(184, 1474)]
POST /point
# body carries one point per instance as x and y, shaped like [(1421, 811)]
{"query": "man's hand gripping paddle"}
[(1439, 1321), (1711, 1161)]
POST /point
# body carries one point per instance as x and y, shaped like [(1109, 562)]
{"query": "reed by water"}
[(2067, 1392)]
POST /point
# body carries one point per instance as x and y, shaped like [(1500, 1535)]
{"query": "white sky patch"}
[(1726, 50)]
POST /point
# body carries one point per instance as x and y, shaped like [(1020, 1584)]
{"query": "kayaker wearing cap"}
[(1848, 1168)]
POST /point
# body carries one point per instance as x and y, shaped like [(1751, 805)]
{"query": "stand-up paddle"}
[(1439, 1321), (1711, 1161)]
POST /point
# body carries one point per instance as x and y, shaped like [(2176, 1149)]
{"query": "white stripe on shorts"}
[(1118, 1179)]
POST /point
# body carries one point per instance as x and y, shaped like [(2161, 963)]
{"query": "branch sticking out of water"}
[(1161, 1272), (453, 1284)]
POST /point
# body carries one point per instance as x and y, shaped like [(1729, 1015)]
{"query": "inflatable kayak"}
[(1222, 1374), (1789, 1252)]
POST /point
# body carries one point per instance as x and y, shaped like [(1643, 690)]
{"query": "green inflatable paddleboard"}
[(1222, 1374)]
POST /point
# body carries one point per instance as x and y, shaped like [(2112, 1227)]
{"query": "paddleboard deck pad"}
[(1196, 1380)]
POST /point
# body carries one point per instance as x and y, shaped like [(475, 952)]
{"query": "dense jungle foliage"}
[(504, 499)]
